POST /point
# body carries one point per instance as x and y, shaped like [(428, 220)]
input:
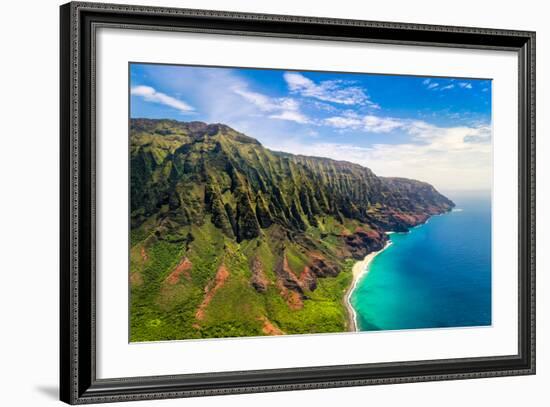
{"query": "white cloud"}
[(465, 85), (324, 106), (281, 108), (431, 85), (334, 91), (377, 124), (370, 123), (151, 95), (291, 116), (312, 133), (288, 104), (342, 122), (451, 86), (264, 103), (420, 128)]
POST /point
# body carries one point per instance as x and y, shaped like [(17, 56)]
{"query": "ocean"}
[(436, 275)]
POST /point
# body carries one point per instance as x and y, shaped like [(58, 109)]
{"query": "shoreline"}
[(358, 270)]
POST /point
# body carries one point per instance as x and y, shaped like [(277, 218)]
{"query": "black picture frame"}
[(78, 382)]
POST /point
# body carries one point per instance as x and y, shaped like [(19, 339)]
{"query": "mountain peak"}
[(193, 129)]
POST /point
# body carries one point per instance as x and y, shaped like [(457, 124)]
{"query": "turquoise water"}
[(437, 275)]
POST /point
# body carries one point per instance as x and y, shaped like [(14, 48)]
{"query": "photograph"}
[(283, 202), (264, 201)]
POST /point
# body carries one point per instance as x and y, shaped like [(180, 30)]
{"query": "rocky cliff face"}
[(293, 219)]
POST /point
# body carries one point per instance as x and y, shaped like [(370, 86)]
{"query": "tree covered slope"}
[(229, 238)]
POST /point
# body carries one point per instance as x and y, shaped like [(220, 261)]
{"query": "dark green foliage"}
[(208, 197), (232, 329), (231, 217), (262, 212), (174, 201), (297, 221), (247, 224), (219, 216)]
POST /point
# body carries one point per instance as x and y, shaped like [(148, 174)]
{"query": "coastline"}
[(358, 270)]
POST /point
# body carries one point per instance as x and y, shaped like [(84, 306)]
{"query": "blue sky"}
[(433, 129)]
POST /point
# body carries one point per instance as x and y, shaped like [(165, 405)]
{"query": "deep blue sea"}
[(436, 275)]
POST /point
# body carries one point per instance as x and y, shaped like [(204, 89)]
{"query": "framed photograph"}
[(255, 203)]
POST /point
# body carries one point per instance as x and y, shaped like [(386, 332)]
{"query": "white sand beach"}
[(358, 271)]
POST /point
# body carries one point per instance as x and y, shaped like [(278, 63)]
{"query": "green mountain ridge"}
[(229, 238)]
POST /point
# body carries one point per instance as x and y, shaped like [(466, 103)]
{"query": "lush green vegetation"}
[(161, 311), (231, 239)]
